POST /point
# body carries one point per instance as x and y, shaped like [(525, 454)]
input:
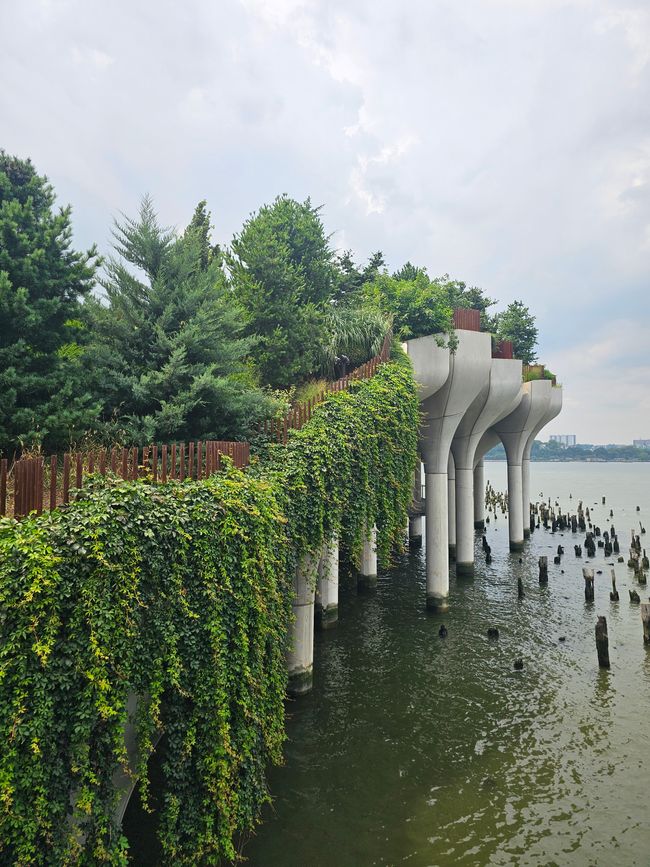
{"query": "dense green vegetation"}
[(180, 594), (175, 337)]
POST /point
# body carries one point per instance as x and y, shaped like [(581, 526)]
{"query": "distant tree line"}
[(553, 451), (173, 336)]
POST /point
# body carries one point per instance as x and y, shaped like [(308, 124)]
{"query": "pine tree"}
[(170, 356), (42, 280), (284, 277)]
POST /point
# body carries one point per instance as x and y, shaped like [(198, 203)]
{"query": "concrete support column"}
[(451, 506), (464, 522), (479, 497), (436, 540), (525, 486), (300, 658), (515, 507), (327, 588), (368, 565), (415, 531)]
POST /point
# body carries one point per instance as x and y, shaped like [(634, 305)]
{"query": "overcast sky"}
[(505, 142)]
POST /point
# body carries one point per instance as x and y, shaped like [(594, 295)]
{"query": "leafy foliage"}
[(357, 332), (169, 352), (516, 323), (179, 594), (418, 305), (283, 276), (42, 280)]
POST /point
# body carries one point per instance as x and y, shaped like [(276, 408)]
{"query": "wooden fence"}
[(34, 484), (300, 414), (503, 349), (467, 319)]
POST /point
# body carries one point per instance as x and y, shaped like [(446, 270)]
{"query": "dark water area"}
[(413, 749)]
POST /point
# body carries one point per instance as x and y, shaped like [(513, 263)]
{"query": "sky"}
[(503, 142)]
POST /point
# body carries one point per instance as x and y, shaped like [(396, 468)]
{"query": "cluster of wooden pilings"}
[(550, 516)]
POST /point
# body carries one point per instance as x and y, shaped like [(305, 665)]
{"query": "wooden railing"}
[(39, 483), (35, 484), (467, 319), (503, 349), (300, 414)]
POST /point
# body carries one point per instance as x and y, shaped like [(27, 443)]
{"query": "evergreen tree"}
[(170, 354), (43, 399), (517, 324), (283, 274)]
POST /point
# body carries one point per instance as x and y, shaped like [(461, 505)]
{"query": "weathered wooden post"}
[(543, 570), (634, 596), (602, 642), (520, 588), (645, 619), (614, 594), (588, 575)]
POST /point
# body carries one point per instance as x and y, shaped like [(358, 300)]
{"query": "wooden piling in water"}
[(602, 642), (645, 619), (543, 570), (588, 575)]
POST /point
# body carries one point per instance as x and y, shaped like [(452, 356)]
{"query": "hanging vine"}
[(179, 594)]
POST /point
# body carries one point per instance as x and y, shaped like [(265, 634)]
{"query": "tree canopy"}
[(517, 324), (169, 349), (283, 275), (42, 281)]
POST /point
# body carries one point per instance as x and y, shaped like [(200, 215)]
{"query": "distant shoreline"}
[(573, 460)]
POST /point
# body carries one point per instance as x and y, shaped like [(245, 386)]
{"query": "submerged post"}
[(602, 642), (588, 575), (543, 570)]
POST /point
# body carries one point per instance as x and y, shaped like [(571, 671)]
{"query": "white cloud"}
[(506, 142)]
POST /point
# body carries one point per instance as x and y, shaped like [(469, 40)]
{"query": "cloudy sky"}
[(505, 142)]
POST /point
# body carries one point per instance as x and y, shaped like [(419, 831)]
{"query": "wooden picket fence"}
[(35, 484), (277, 429)]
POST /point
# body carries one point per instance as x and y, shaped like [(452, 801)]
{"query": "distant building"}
[(563, 439), (641, 444)]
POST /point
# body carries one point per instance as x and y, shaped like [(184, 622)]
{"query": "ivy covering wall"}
[(180, 594)]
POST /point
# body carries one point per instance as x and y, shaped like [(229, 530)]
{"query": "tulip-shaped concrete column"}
[(327, 587), (300, 657), (514, 431), (497, 398), (451, 506), (479, 496), (368, 564), (444, 401), (554, 407)]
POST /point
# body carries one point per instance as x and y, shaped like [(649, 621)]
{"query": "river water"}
[(418, 750)]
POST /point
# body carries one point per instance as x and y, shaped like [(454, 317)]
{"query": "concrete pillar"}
[(415, 530), (515, 507), (451, 506), (436, 540), (368, 564), (465, 522), (553, 408), (479, 497), (327, 588), (525, 488), (300, 657)]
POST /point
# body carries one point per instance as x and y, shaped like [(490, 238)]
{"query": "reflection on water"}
[(428, 751)]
